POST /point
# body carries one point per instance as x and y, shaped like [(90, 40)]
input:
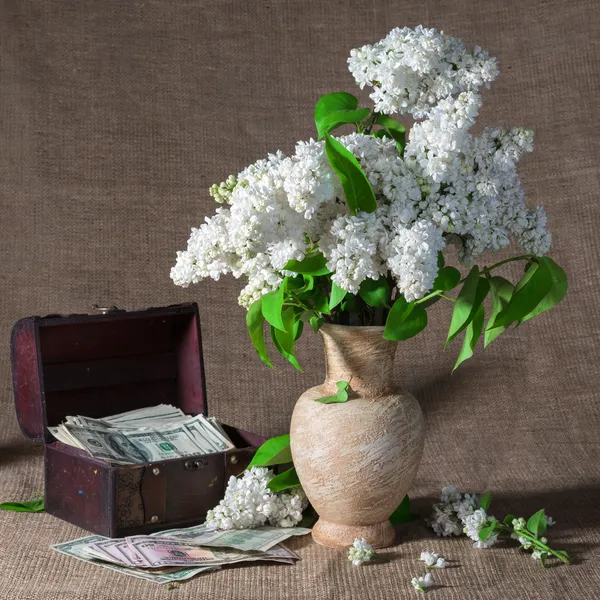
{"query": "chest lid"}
[(102, 364)]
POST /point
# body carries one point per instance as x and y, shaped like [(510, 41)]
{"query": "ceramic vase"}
[(356, 460)]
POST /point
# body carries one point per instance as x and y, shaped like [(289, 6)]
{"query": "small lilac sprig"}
[(361, 551), (420, 583), (433, 560)]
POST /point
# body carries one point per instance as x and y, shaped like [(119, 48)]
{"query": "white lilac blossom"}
[(411, 70), (361, 551), (433, 560), (447, 184), (474, 523), (447, 517), (249, 503), (420, 583)]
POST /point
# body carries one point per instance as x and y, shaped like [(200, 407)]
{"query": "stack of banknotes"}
[(179, 554), (145, 435)]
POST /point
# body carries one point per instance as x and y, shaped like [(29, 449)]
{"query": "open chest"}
[(98, 365)]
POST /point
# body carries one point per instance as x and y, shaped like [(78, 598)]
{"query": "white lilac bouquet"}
[(353, 229)]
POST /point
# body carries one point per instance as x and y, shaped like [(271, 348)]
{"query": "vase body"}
[(358, 459)]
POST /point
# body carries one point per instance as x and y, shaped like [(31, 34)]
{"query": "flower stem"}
[(434, 294), (535, 541), (372, 120), (507, 260)]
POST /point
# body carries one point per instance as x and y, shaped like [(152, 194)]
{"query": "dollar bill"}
[(79, 549), (260, 539), (215, 423), (133, 447), (116, 551), (158, 552), (146, 435), (202, 430), (135, 417)]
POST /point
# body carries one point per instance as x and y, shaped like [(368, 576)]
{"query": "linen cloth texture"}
[(116, 117)]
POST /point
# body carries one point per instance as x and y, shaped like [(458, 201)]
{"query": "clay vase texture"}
[(358, 459)]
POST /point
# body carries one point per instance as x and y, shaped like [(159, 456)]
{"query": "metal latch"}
[(104, 310), (195, 464)]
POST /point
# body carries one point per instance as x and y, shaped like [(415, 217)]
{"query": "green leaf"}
[(335, 109), (316, 322), (275, 451), (272, 307), (557, 292), (472, 333), (486, 532), (284, 340), (375, 292), (447, 279), (382, 133), (527, 296), (543, 558), (36, 505), (336, 296), (349, 303), (298, 328), (312, 264), (405, 320), (320, 302), (255, 321), (357, 187), (341, 395), (403, 514), (441, 261), (485, 501), (537, 523), (501, 290), (284, 481), (395, 129), (508, 519), (470, 297)]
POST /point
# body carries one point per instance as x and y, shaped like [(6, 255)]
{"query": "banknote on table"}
[(80, 549), (260, 538), (147, 435), (159, 552)]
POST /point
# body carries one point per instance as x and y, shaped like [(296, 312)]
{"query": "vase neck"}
[(360, 353)]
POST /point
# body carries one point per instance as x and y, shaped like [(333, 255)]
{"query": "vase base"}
[(334, 535)]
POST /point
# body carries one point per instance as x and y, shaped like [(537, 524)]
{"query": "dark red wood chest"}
[(102, 364)]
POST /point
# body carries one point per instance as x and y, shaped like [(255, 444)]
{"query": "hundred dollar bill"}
[(202, 430), (133, 447), (62, 434), (159, 552), (170, 553), (79, 549), (215, 423), (143, 435), (159, 412), (116, 551), (261, 538)]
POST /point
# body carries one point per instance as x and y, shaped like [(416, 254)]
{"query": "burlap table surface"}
[(116, 116)]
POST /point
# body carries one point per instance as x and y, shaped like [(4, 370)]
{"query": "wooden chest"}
[(98, 365)]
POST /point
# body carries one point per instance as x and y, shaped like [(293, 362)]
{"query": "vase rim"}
[(366, 328)]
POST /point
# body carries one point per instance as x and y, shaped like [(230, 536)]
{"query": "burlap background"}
[(116, 116)]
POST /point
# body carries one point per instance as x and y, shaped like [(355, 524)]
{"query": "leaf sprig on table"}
[(35, 505), (459, 513)]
